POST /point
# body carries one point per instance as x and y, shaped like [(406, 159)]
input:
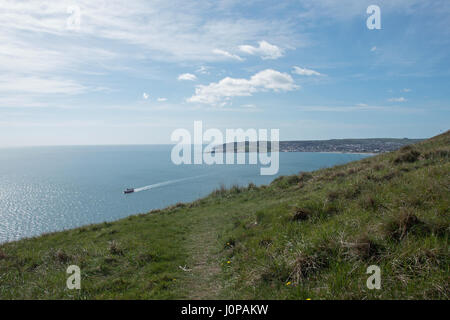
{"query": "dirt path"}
[(203, 281)]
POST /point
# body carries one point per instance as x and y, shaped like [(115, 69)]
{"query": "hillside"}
[(311, 235)]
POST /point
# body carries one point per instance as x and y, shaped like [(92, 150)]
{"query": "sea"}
[(47, 189)]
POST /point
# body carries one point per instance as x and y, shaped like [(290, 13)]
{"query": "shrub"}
[(388, 176), (369, 202), (236, 189), (333, 195), (294, 179), (410, 156), (265, 243), (440, 153), (277, 180), (304, 176), (222, 190), (284, 182), (378, 167), (440, 228), (252, 186), (398, 227), (305, 265), (405, 148), (331, 208), (352, 192), (362, 248), (114, 248), (145, 258), (178, 205), (61, 256), (301, 214), (338, 174)]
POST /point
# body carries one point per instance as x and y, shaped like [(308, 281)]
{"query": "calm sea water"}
[(45, 189)]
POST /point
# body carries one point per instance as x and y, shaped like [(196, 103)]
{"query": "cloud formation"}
[(227, 54), (219, 93), (13, 84), (265, 50), (305, 72), (187, 77), (399, 99), (196, 28), (203, 70)]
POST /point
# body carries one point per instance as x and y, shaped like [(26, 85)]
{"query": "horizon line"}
[(174, 143)]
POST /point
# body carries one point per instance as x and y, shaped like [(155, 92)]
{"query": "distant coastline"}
[(354, 146), (342, 152)]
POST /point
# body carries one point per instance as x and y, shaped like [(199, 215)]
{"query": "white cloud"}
[(227, 54), (22, 101), (400, 99), (145, 96), (187, 76), (358, 108), (339, 108), (196, 27), (305, 72), (219, 93), (265, 50), (202, 70), (406, 90), (347, 9), (373, 49), (162, 99), (11, 83)]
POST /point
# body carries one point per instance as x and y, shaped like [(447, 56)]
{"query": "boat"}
[(129, 190)]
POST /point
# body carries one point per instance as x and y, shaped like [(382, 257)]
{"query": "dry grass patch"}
[(301, 214), (3, 255), (362, 248), (410, 156), (398, 227), (61, 256), (114, 248), (305, 265)]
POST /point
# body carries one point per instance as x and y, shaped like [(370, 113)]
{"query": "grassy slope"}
[(304, 236)]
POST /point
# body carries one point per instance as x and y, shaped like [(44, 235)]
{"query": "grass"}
[(310, 235)]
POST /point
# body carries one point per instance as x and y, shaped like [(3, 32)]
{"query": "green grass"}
[(311, 235)]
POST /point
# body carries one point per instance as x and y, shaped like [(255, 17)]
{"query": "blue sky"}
[(134, 71)]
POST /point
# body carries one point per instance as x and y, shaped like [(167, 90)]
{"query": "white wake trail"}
[(165, 183)]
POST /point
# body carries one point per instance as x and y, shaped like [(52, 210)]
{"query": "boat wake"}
[(165, 183)]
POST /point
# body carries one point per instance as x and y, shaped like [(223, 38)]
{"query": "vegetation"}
[(311, 235), (375, 145)]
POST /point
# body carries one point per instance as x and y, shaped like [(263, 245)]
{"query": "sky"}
[(93, 72)]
